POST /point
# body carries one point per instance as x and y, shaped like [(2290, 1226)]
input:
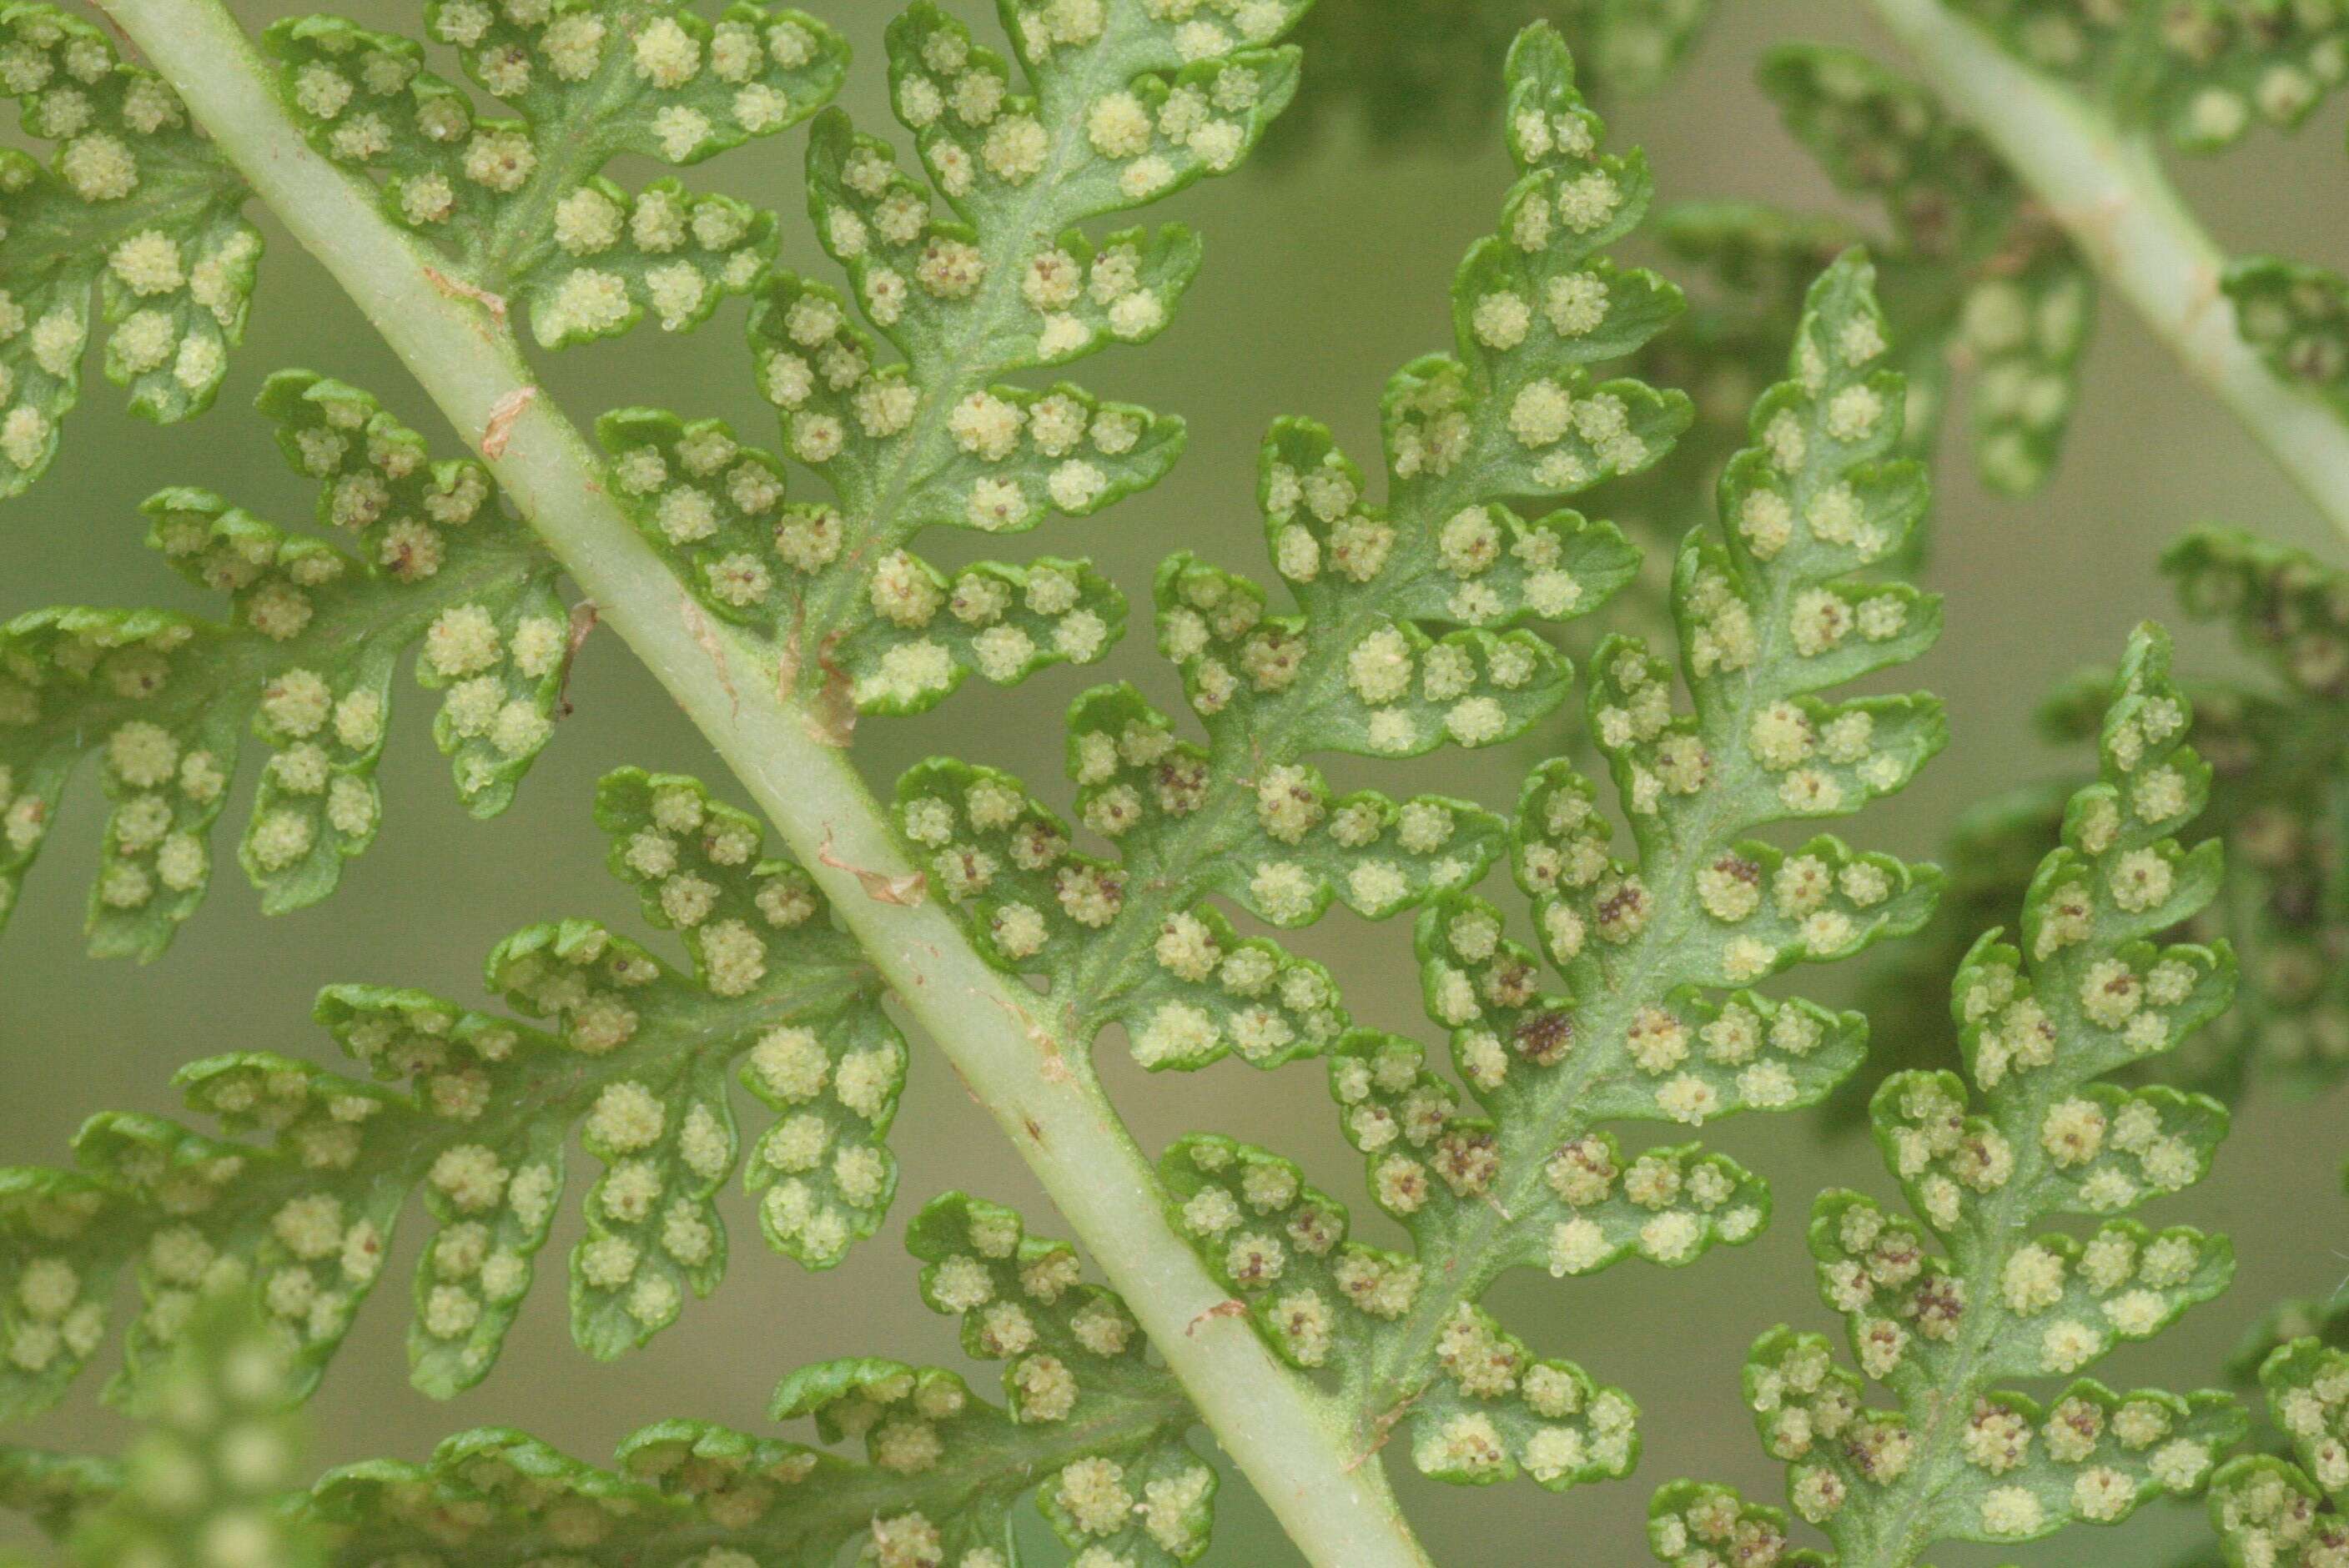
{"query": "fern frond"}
[(1750, 268), (2285, 607), (2281, 798), (216, 1459), (2064, 100), (1992, 852), (1773, 606), (517, 211), (2275, 1512), (1974, 281), (1090, 1426), (416, 553), (1412, 71), (2083, 993), (1976, 275), (910, 425), (2265, 1510), (2277, 754), (2199, 76), (217, 1452), (2297, 317), (56, 1492), (474, 1111), (1364, 665), (137, 209)]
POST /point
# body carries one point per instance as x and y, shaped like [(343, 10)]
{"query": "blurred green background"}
[(1327, 266)]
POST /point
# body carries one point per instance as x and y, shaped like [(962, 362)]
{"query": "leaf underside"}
[(1410, 631), (974, 267), (1089, 1426), (129, 222), (411, 552), (2275, 751), (1774, 603), (473, 1113), (2081, 993)]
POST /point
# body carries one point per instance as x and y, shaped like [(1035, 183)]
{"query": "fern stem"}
[(2107, 187), (1287, 1440)]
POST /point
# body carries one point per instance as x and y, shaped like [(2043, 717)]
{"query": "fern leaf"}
[(56, 1492), (2293, 315), (474, 1111), (2279, 751), (1363, 665), (1978, 275), (2083, 993), (418, 554), (217, 1453), (2276, 758), (2276, 752), (2200, 76), (1773, 607), (1088, 1425), (518, 210), (2264, 1505), (1981, 275), (1992, 852), (2285, 607), (1414, 70), (137, 209), (2276, 1513), (971, 269), (822, 1172), (1751, 267)]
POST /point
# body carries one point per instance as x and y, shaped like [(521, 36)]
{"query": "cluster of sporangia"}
[(1404, 622)]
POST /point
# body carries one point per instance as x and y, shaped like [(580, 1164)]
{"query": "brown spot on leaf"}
[(1545, 1038)]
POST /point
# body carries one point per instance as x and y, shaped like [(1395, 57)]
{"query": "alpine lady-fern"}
[(1760, 451)]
